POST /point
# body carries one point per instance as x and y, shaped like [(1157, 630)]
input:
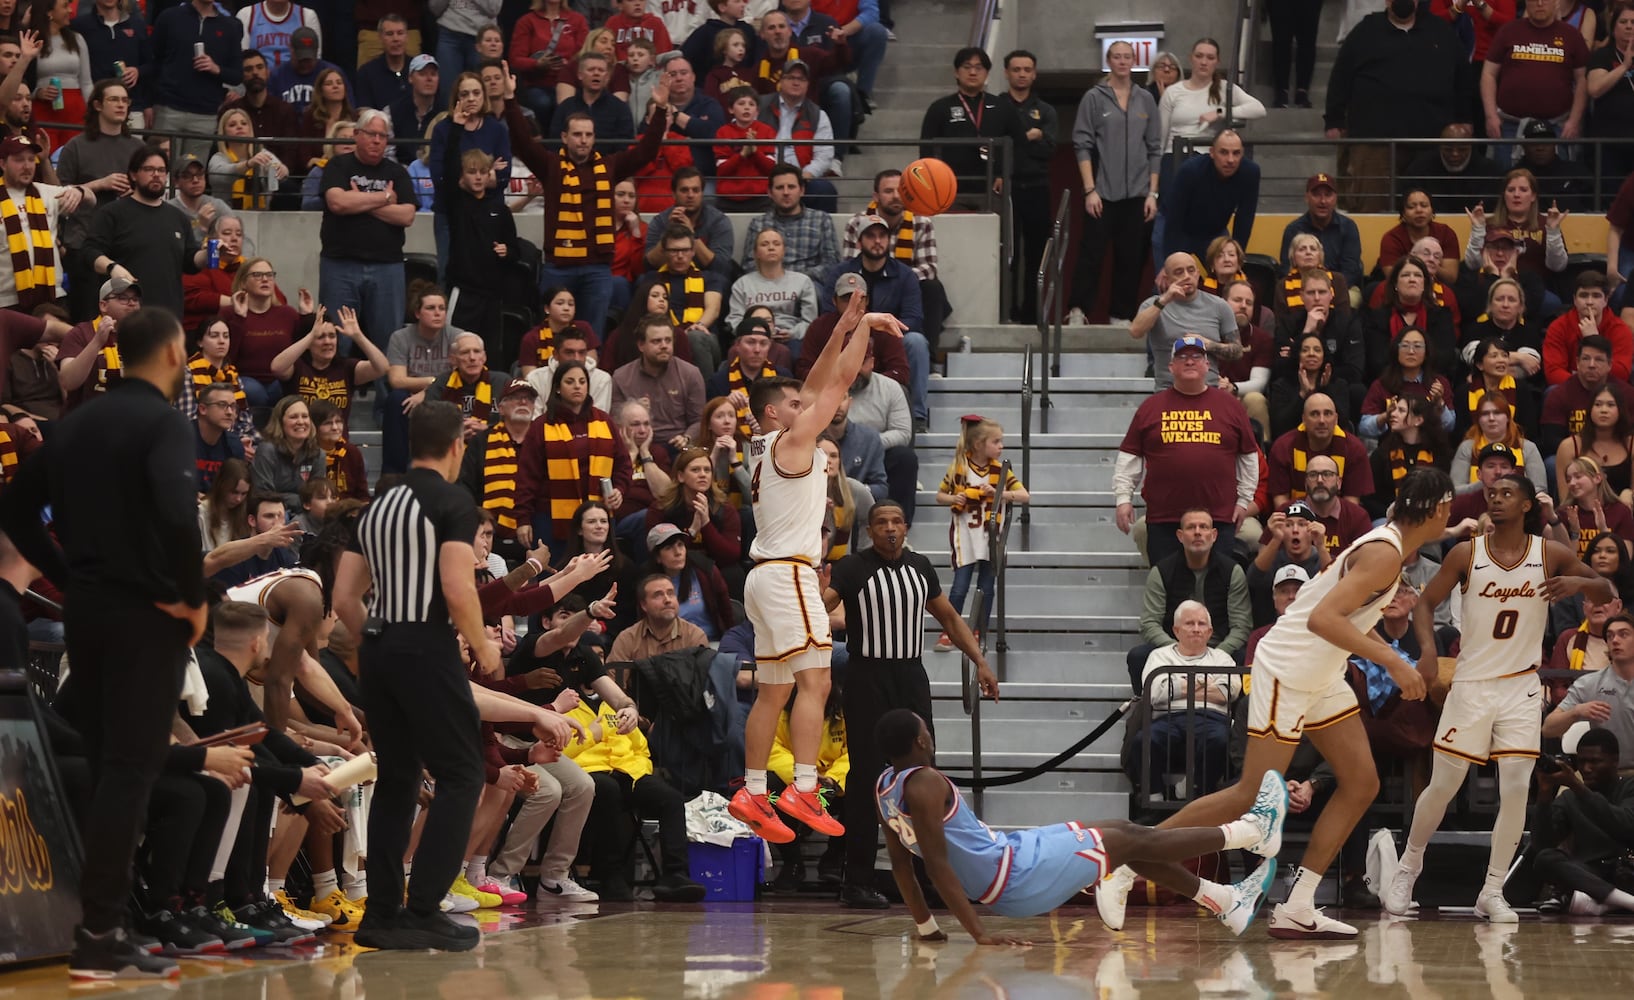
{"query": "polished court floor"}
[(811, 951)]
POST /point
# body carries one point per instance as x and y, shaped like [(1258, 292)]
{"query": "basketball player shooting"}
[(784, 601), (1494, 709), (1298, 690)]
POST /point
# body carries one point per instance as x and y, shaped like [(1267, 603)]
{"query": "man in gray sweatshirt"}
[(882, 403)]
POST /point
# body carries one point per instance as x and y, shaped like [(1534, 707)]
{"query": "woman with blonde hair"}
[(289, 454), (696, 504), (1605, 437), (241, 173), (1222, 264), (262, 327), (719, 434), (1590, 508), (330, 104)]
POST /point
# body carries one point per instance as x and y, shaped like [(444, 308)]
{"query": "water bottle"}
[(212, 254), (56, 102)]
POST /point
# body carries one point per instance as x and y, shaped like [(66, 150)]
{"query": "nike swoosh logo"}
[(1534, 694), (1478, 567), (1311, 927)]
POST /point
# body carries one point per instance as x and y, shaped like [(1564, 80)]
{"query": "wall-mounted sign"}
[(1145, 38)]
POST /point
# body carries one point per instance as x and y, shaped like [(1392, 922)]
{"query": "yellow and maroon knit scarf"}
[(33, 254)]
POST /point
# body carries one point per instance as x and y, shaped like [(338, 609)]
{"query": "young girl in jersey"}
[(973, 488)]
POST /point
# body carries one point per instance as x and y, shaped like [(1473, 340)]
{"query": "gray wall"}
[(1062, 32)]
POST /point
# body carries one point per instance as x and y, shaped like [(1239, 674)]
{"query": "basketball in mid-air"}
[(928, 187)]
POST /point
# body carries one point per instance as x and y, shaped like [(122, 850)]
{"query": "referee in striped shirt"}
[(413, 555), (886, 591)]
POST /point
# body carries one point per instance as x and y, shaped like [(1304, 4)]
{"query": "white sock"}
[(805, 777), (356, 886), (1495, 880), (408, 868), (1412, 859), (1620, 899), (1212, 896), (324, 883), (1240, 833), (755, 781), (1303, 894), (476, 870), (274, 885)]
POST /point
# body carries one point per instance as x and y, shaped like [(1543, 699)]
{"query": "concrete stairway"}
[(1075, 581)]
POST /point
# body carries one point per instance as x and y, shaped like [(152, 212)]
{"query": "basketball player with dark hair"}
[(1298, 689), (1024, 873), (782, 595), (1494, 711)]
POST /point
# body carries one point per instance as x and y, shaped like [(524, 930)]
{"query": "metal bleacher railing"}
[(1286, 162)]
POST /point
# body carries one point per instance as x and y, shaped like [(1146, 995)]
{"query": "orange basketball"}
[(928, 187)]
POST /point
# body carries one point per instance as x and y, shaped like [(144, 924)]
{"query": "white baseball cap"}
[(1291, 572)]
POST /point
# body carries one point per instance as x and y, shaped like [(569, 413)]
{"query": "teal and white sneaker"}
[(1246, 897), (1270, 809)]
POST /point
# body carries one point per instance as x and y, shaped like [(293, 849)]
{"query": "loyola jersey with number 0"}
[(788, 509), (1505, 613)]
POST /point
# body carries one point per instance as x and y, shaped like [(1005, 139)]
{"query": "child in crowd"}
[(652, 181), (482, 241), (642, 65), (317, 496), (731, 52), (977, 486), (343, 462), (741, 167), (631, 22)]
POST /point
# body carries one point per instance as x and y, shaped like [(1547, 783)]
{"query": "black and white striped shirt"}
[(885, 603), (400, 536)]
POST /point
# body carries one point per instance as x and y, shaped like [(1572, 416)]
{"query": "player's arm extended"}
[(1373, 567), (1453, 571), (902, 872), (1562, 561), (927, 794)]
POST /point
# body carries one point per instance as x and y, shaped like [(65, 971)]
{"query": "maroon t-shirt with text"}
[(1190, 444), (1536, 67)]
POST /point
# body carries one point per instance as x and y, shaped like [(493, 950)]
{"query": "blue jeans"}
[(821, 195), (591, 285), (868, 52), (918, 349), (374, 290), (1625, 267), (456, 53), (541, 101), (394, 431), (836, 100), (260, 395), (961, 586), (1211, 762), (439, 232), (618, 299), (632, 531)]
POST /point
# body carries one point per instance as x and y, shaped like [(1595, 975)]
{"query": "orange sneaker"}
[(757, 812), (808, 809)]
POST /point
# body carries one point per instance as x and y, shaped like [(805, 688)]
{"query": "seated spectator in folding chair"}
[(617, 759), (1190, 708), (1582, 831), (833, 765)]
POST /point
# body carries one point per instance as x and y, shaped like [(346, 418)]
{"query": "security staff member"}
[(969, 113), (133, 578), (413, 548), (886, 591)]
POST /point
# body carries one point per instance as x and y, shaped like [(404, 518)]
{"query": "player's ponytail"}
[(1423, 490)]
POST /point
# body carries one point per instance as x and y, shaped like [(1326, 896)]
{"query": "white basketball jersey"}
[(1298, 658), (788, 509), (255, 591), (1505, 613)]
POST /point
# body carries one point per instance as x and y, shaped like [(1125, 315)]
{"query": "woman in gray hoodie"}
[(1119, 144)]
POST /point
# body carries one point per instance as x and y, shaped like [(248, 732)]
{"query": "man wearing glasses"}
[(215, 441), (1291, 456), (88, 361), (368, 205), (143, 239), (1343, 520)]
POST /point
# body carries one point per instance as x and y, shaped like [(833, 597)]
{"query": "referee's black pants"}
[(128, 658), (872, 688), (421, 715)]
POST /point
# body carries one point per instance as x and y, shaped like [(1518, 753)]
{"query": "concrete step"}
[(1061, 796), (1088, 534), (1135, 387), (1068, 496), (1062, 648), (1089, 413), (1129, 362), (1013, 337)]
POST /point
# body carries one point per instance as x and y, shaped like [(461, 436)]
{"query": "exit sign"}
[(1145, 39)]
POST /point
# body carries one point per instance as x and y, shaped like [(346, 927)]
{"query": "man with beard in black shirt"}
[(145, 239)]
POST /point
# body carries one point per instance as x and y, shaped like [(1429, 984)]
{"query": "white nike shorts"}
[(785, 605), (1496, 718)]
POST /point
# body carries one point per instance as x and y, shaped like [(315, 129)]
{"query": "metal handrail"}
[(998, 548), (1050, 291), (981, 22), (1027, 427), (972, 696)]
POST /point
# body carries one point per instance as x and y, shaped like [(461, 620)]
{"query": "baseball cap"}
[(1300, 509), (1319, 181), (19, 143), (797, 64), (519, 385), (870, 221), (303, 38), (1290, 574), (1190, 342), (186, 160), (847, 283), (1501, 236), (755, 325), (421, 61), (1538, 128), (1496, 449), (658, 537), (118, 286)]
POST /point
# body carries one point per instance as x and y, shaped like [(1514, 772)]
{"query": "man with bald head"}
[(1183, 308), (1205, 194), (1318, 434), (471, 386)]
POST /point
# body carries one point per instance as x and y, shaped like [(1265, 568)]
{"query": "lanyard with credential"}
[(976, 115)]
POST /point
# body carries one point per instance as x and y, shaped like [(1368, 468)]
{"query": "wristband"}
[(928, 927), (536, 566)]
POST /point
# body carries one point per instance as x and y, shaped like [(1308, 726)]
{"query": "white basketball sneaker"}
[(1112, 897)]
